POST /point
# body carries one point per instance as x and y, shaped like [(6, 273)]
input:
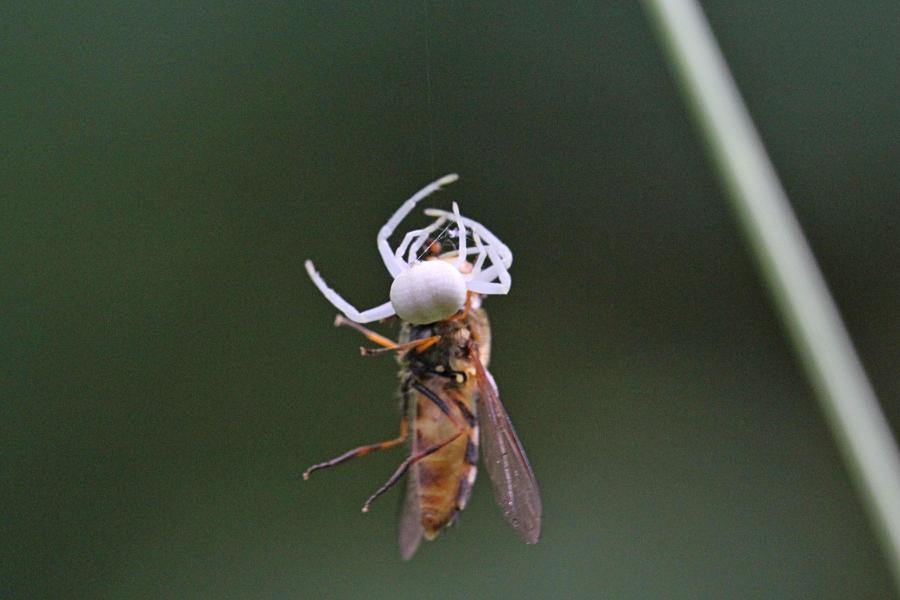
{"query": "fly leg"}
[(363, 450), (419, 346), (342, 321), (386, 344), (414, 458)]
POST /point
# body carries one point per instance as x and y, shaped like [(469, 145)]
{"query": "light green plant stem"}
[(800, 292)]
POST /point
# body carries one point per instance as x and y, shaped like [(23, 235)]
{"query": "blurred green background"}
[(168, 370)]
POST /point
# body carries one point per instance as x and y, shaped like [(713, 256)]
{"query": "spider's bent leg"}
[(486, 288), (503, 251), (462, 237), (488, 274), (417, 244), (502, 273), (393, 264), (420, 235), (367, 316), (482, 254), (482, 283), (406, 240)]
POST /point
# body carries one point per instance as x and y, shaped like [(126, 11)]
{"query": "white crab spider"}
[(430, 290)]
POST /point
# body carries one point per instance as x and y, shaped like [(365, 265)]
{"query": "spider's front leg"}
[(367, 316), (394, 265)]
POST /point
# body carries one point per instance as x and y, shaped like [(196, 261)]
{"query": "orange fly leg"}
[(419, 345), (341, 321), (363, 450), (386, 344), (414, 458), (426, 343)]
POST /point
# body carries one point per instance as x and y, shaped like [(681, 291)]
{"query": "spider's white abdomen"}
[(428, 291)]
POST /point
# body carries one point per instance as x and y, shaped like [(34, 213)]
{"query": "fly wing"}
[(410, 533), (515, 488)]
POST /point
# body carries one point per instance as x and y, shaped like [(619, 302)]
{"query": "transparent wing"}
[(410, 532), (515, 488)]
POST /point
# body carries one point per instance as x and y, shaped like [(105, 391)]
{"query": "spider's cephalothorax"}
[(427, 291)]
